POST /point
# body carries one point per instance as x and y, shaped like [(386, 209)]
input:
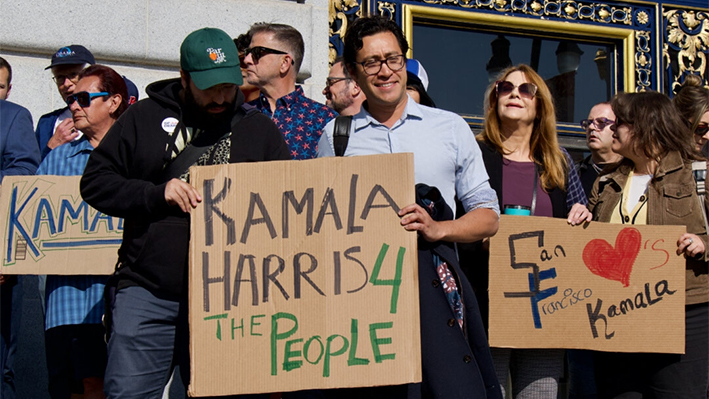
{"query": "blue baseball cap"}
[(75, 54)]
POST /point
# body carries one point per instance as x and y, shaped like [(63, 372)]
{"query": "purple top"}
[(517, 182)]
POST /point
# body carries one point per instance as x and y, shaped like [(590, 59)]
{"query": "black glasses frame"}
[(331, 81), (369, 66), (60, 79)]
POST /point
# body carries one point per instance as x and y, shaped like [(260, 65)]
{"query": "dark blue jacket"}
[(45, 129), (456, 363), (18, 150)]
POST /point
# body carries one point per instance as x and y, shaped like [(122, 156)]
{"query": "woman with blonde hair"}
[(527, 168)]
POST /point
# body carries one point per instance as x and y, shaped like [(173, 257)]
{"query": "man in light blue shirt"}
[(455, 358), (445, 152)]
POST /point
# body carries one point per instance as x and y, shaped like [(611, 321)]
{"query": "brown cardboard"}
[(593, 269), (46, 228), (344, 323)]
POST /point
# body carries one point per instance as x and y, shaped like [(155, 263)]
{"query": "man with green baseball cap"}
[(211, 58), (140, 172)]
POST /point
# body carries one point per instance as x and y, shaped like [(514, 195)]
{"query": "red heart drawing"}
[(614, 263)]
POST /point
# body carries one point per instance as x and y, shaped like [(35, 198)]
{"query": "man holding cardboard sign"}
[(139, 172), (391, 122)]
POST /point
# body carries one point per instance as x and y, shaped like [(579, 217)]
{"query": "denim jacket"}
[(672, 200)]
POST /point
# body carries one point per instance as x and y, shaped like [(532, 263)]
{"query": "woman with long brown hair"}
[(692, 102), (527, 168), (654, 185)]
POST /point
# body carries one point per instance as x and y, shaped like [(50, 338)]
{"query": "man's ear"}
[(355, 89), (9, 87), (115, 102), (287, 64)]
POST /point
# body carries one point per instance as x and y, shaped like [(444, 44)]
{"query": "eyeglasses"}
[(701, 130), (526, 90), (60, 79), (372, 67), (259, 51), (600, 123), (84, 98), (331, 81)]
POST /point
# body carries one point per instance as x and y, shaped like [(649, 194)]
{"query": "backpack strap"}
[(191, 153), (341, 134)]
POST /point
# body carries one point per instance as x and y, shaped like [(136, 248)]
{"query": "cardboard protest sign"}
[(301, 276), (606, 287), (46, 228)]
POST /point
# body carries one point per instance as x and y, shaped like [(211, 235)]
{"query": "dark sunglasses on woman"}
[(526, 90), (701, 130), (84, 98)]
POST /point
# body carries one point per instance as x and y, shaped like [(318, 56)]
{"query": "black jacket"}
[(123, 178)]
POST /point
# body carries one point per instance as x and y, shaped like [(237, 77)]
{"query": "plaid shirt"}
[(574, 188), (71, 299), (300, 119)]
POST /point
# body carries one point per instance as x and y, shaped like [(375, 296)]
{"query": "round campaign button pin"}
[(169, 124)]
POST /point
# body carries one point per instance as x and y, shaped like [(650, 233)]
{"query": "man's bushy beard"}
[(202, 114)]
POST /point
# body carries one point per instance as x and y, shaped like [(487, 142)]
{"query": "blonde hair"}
[(544, 146)]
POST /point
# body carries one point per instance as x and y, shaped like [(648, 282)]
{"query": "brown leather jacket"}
[(672, 200)]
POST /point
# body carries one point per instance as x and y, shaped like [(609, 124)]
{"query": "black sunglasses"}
[(526, 90), (84, 98), (600, 123), (331, 81), (259, 51), (701, 130)]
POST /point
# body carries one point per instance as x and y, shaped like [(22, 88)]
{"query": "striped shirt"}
[(71, 299)]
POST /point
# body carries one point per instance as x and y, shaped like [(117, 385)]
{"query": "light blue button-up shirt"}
[(446, 155), (71, 299)]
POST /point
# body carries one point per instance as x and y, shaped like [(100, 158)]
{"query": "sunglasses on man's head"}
[(526, 90), (701, 130), (259, 51), (84, 98), (600, 123)]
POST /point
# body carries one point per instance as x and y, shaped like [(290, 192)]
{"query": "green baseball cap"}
[(211, 58)]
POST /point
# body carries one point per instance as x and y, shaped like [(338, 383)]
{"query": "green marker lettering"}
[(378, 357), (288, 364), (253, 323), (233, 327), (354, 335), (275, 336), (396, 282), (219, 325), (328, 353), (306, 349)]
